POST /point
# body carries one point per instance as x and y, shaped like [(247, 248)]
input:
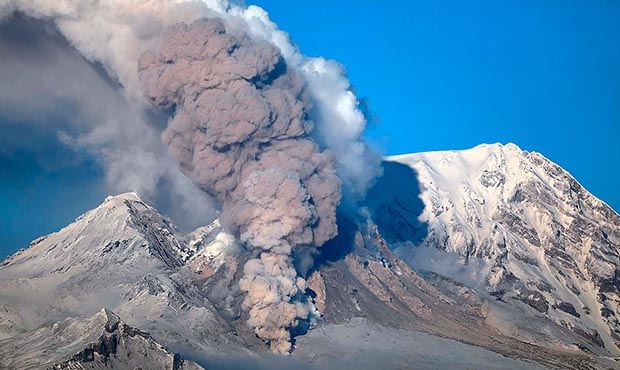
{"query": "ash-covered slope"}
[(520, 231), (123, 256), (102, 341), (371, 282), (184, 291)]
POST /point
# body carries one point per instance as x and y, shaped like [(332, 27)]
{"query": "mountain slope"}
[(123, 256), (374, 284), (522, 231), (101, 341), (184, 290)]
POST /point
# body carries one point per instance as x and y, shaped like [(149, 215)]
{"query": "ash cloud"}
[(335, 108), (274, 136), (56, 105), (241, 132), (116, 32)]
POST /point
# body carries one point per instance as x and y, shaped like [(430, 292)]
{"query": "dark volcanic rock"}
[(535, 299), (568, 308)]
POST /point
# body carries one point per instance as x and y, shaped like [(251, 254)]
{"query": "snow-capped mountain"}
[(102, 341), (516, 226), (123, 256), (458, 249)]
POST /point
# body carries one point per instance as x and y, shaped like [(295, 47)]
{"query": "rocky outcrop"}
[(102, 341)]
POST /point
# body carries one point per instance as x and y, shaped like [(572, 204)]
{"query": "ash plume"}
[(251, 116), (241, 132)]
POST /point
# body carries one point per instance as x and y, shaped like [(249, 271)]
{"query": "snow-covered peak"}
[(471, 181), (477, 154), (122, 255), (523, 226), (123, 226), (122, 197), (454, 167)]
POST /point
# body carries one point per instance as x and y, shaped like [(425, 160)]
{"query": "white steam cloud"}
[(48, 87)]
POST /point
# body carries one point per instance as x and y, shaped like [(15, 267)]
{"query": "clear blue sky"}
[(453, 74), (438, 74)]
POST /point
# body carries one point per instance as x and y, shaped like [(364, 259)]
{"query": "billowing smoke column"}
[(244, 98), (241, 132)]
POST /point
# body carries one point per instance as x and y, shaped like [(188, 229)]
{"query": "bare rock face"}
[(519, 230)]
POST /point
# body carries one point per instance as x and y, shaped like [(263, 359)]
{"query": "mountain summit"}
[(518, 227), (492, 257)]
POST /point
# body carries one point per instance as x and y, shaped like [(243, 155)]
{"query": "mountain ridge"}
[(383, 267), (398, 157), (97, 342), (516, 216)]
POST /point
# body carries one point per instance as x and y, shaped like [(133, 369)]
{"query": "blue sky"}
[(36, 199), (437, 74), (453, 74)]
